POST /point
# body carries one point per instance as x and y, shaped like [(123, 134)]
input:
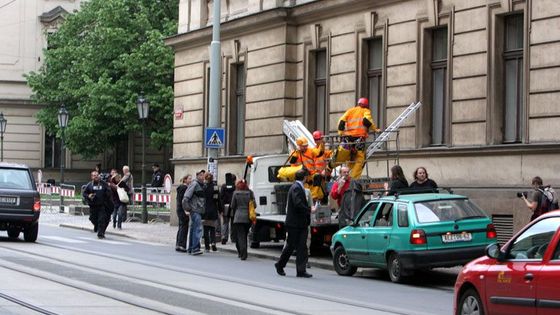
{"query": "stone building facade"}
[(486, 72), (24, 29)]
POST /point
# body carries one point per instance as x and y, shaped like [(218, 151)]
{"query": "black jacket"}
[(210, 201), (181, 189), (226, 192), (396, 186), (157, 179), (298, 213)]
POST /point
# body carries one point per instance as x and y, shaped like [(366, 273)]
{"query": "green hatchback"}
[(409, 232)]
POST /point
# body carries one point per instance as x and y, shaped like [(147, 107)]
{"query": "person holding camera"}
[(535, 201)]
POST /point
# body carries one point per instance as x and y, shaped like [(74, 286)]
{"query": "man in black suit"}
[(298, 218)]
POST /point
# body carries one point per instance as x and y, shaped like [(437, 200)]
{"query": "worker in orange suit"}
[(354, 127)]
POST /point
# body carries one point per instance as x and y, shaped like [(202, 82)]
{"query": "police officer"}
[(99, 198)]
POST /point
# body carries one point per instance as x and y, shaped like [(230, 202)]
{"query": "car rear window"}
[(12, 178), (447, 210)]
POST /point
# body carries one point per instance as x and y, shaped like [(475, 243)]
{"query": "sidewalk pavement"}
[(163, 233)]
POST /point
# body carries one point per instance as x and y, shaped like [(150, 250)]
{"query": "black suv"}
[(20, 203)]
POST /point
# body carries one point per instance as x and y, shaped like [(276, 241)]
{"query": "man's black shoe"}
[(304, 275), (180, 249), (100, 236), (279, 270)]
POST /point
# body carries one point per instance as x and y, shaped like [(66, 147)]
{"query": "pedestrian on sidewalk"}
[(193, 204), (183, 218), (226, 192), (240, 214), (210, 216), (99, 198), (298, 219), (119, 207), (128, 180)]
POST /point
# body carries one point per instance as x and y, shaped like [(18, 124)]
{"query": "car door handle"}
[(385, 236), (363, 236), (529, 276)]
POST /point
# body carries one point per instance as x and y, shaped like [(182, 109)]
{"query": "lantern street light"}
[(62, 124), (3, 123), (143, 111)]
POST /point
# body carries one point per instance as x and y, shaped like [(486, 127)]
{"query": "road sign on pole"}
[(214, 138)]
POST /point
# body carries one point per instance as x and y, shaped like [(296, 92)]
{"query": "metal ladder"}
[(295, 129), (393, 127)]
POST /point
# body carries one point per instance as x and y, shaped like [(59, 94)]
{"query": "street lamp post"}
[(3, 123), (143, 111), (62, 123)]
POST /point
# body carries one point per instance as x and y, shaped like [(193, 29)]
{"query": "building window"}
[(317, 112), (513, 77), (52, 151), (237, 111), (374, 79), (439, 86)]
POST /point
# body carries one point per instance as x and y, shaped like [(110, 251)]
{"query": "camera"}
[(522, 194)]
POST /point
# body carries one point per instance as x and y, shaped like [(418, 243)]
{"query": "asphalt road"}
[(69, 271)]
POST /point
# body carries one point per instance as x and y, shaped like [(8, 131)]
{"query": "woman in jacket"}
[(398, 181), (119, 207), (240, 213), (210, 215), (183, 218)]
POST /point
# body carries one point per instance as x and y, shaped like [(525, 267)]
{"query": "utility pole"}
[(215, 77)]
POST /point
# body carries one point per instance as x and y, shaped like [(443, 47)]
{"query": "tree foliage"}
[(98, 62)]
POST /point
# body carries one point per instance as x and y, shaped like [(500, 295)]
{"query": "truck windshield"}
[(447, 210)]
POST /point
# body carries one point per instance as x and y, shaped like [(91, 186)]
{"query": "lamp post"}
[(143, 111), (3, 123), (62, 123)]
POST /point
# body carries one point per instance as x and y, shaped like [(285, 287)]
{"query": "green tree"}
[(98, 62)]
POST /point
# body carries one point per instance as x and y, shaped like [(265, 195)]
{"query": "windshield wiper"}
[(470, 217)]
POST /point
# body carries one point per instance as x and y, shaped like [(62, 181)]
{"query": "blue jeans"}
[(195, 232)]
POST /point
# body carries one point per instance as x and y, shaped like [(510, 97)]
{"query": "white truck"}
[(271, 194)]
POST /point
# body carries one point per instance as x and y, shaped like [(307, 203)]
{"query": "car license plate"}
[(5, 200), (459, 237)]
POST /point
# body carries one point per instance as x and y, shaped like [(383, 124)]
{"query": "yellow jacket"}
[(353, 122)]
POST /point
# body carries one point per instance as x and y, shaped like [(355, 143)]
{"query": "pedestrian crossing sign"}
[(214, 138)]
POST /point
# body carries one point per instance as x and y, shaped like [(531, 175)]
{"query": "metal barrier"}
[(52, 196), (155, 198)]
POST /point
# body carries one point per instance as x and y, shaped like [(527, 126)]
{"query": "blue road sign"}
[(214, 138)]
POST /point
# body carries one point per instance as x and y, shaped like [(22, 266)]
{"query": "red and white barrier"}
[(49, 190), (160, 198)]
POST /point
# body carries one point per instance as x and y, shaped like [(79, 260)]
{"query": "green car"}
[(409, 232)]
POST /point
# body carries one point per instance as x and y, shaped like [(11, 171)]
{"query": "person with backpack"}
[(541, 200)]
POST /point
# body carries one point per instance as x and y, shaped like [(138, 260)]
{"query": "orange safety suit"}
[(307, 159), (353, 120)]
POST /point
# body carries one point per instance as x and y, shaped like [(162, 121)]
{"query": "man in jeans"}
[(193, 204)]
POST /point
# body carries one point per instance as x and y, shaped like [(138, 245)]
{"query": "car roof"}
[(13, 165), (421, 197), (554, 213)]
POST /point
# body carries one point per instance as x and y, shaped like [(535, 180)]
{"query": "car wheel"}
[(14, 232), (30, 232), (396, 270), (470, 304), (341, 263)]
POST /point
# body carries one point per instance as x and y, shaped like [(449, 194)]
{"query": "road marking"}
[(103, 240), (62, 239)]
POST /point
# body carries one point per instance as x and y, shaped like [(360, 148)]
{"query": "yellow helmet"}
[(301, 141)]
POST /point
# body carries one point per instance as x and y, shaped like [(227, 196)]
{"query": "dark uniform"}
[(99, 198)]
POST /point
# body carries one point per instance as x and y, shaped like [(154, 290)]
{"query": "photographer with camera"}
[(538, 202)]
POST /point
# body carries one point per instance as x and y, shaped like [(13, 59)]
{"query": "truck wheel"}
[(470, 304), (395, 267), (255, 244), (13, 232), (315, 248), (30, 233), (341, 263)]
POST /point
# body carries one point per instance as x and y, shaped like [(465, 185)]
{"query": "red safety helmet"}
[(317, 135), (363, 102)]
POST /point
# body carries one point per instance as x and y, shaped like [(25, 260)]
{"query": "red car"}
[(522, 277)]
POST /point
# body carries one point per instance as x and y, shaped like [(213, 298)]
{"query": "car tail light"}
[(314, 230), (278, 226), (418, 237), (491, 231), (37, 204)]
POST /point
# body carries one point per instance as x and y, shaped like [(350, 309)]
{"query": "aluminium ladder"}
[(393, 127), (295, 129)]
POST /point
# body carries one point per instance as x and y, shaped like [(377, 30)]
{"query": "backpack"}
[(550, 200)]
